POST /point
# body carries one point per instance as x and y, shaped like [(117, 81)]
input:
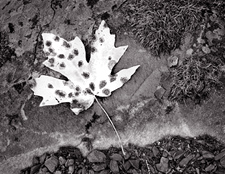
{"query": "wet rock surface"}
[(173, 154)]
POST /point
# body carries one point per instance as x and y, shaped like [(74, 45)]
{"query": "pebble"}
[(210, 168), (220, 155), (96, 156), (222, 161), (52, 163), (135, 163), (172, 61), (163, 165), (160, 91), (71, 169), (99, 167), (34, 169), (116, 157), (207, 155), (62, 160), (42, 158), (186, 160), (69, 162), (155, 151), (113, 165)]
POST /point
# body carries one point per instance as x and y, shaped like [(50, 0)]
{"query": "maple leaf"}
[(85, 79)]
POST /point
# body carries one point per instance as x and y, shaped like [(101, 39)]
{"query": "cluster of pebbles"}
[(171, 155)]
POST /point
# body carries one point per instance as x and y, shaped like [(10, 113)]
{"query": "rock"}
[(186, 160), (69, 162), (35, 160), (71, 169), (126, 165), (42, 158), (220, 155), (104, 172), (58, 172), (116, 157), (178, 154), (135, 163), (222, 162), (163, 165), (114, 166), (206, 49), (210, 167), (207, 155), (52, 163), (96, 156), (155, 151), (172, 61), (99, 167), (34, 169), (160, 91), (62, 160)]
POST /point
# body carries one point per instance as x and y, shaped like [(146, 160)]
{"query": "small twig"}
[(121, 144)]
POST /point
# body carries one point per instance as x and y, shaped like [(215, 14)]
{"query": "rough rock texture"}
[(27, 130)]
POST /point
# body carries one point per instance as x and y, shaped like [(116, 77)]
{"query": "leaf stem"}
[(110, 120)]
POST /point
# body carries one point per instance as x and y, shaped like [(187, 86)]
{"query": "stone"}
[(113, 165), (206, 49), (42, 158), (207, 155), (34, 169), (126, 165), (135, 163), (186, 160), (155, 151), (104, 172), (96, 156), (62, 160), (222, 161), (69, 162), (178, 154), (210, 167), (71, 169), (52, 163), (172, 61), (160, 91), (163, 165), (35, 160), (116, 157), (58, 172), (99, 167), (220, 155)]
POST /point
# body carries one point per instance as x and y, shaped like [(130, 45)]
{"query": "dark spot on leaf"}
[(112, 79), (123, 79), (77, 93), (11, 28), (75, 51), (51, 61), (92, 86), (50, 50), (56, 38), (70, 57), (66, 44), (80, 63), (106, 91), (89, 91), (70, 95), (60, 93), (101, 40), (102, 84), (77, 88), (86, 75), (110, 58), (93, 49), (105, 16), (48, 43), (62, 65), (50, 85), (61, 56)]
